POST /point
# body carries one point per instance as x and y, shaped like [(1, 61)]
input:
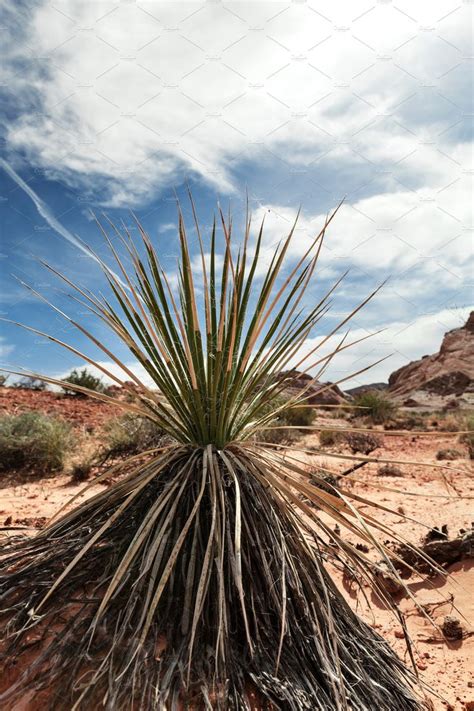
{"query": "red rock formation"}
[(446, 373), (318, 393)]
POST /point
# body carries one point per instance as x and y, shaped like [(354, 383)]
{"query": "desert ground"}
[(421, 497)]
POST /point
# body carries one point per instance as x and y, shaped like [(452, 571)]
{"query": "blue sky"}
[(108, 106)]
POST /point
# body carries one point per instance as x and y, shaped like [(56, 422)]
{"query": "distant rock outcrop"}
[(450, 372), (361, 389), (318, 393)]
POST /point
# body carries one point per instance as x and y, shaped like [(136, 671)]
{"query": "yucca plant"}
[(198, 579)]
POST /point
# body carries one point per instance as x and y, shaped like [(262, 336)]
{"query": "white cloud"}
[(390, 233), (113, 368), (167, 227), (5, 348), (132, 97), (403, 341)]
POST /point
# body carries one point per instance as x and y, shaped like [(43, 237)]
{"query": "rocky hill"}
[(361, 389), (318, 393), (446, 374)]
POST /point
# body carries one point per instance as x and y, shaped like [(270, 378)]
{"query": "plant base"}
[(247, 616)]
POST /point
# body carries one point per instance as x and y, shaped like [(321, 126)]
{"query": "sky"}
[(112, 106)]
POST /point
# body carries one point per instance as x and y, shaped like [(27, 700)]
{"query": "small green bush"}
[(131, 434), (378, 408), (297, 417), (30, 383), (84, 379), (33, 441)]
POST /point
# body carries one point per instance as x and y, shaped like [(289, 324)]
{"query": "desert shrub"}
[(338, 413), (82, 470), (468, 437), (131, 434), (378, 408), (297, 417), (84, 379), (324, 481), (33, 441), (278, 436), (29, 383), (409, 421), (389, 470), (450, 423), (363, 442), (3, 380), (448, 454), (327, 438)]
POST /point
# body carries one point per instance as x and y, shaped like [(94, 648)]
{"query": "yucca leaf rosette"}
[(198, 579)]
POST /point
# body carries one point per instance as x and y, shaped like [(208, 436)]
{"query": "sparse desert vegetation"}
[(328, 438), (362, 442), (34, 442), (35, 512), (389, 470), (131, 434), (448, 454), (467, 438), (375, 406), (283, 428)]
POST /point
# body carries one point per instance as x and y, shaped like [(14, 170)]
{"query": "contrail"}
[(48, 217)]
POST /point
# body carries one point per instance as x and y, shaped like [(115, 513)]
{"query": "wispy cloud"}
[(5, 348), (48, 216), (167, 227), (44, 210)]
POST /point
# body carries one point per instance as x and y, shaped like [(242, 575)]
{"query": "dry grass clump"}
[(358, 442), (363, 442), (328, 438), (34, 442), (283, 429), (407, 421), (122, 437), (450, 423), (81, 471), (324, 481), (389, 470), (468, 437)]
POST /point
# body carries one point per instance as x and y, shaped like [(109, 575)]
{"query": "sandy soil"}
[(431, 496)]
